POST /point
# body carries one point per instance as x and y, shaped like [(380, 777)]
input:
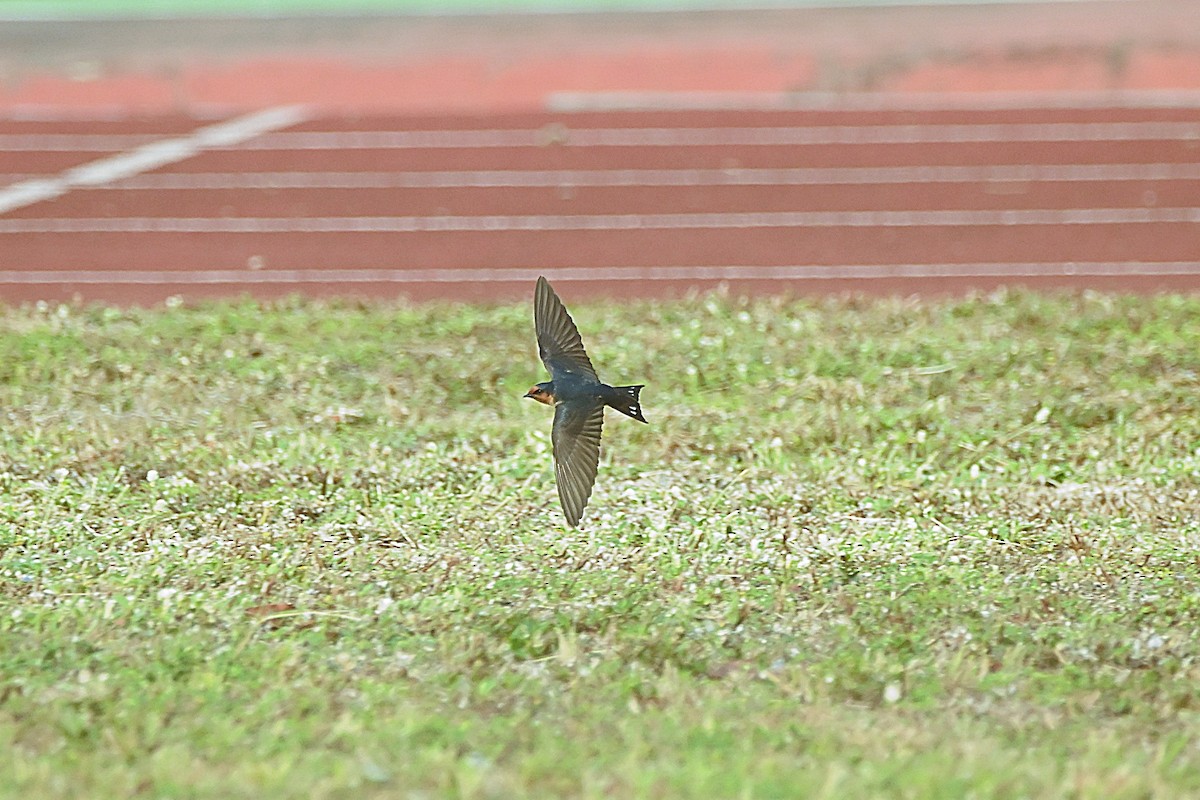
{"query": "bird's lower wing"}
[(577, 427)]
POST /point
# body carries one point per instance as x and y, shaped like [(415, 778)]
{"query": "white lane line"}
[(149, 156), (557, 134), (570, 102), (802, 176), (816, 272), (574, 102), (76, 142), (604, 222)]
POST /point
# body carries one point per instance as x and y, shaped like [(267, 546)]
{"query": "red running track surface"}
[(629, 203)]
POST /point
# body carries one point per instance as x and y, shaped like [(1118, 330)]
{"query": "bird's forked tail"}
[(625, 399)]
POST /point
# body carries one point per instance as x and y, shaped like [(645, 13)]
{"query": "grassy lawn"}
[(103, 8), (139, 8), (865, 548)]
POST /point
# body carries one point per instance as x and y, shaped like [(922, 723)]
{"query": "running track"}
[(904, 197)]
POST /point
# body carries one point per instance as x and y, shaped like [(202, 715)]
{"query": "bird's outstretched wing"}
[(576, 437), (559, 343)]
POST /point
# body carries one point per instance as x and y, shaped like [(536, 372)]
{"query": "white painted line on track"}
[(149, 156), (554, 135), (816, 272), (801, 176), (1120, 99), (77, 142), (604, 222), (558, 135)]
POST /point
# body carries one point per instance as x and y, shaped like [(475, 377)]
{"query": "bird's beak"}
[(529, 394)]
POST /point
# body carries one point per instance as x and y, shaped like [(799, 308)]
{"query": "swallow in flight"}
[(578, 398)]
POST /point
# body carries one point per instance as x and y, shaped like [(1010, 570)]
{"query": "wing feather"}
[(576, 438), (559, 343)]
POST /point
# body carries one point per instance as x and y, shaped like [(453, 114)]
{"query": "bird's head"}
[(543, 393)]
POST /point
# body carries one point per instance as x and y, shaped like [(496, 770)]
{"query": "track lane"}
[(603, 249), (615, 200), (552, 157), (853, 196)]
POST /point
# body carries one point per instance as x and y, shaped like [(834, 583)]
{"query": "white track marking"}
[(1113, 269), (149, 156), (574, 102), (604, 222), (803, 176), (556, 134), (77, 142), (1116, 100), (553, 135)]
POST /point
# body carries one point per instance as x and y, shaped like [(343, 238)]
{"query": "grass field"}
[(53, 9), (57, 9), (865, 548)]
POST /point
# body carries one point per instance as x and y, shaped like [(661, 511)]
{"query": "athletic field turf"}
[(865, 548)]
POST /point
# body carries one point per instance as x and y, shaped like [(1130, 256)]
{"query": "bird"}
[(578, 397)]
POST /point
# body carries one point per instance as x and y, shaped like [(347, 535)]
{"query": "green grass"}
[(58, 9), (106, 8), (865, 548)]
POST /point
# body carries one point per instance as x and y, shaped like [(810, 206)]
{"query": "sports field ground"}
[(864, 548), (912, 291)]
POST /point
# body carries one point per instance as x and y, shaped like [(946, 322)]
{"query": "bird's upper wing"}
[(559, 343), (576, 438)]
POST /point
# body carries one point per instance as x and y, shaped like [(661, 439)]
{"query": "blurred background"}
[(155, 55), (532, 183)]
